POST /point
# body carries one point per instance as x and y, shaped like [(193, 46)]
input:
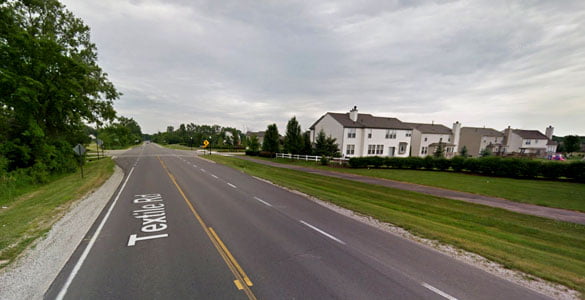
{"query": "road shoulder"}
[(32, 274)]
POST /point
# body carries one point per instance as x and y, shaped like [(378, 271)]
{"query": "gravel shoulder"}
[(32, 274)]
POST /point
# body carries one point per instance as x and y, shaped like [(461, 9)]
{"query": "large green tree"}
[(271, 141), (293, 141), (326, 145), (571, 143), (50, 84)]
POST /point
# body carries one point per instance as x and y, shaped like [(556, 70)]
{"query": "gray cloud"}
[(250, 63)]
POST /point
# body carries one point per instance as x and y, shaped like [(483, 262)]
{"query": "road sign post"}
[(99, 143), (79, 150)]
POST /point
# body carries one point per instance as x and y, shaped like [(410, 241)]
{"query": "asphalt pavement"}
[(183, 227)]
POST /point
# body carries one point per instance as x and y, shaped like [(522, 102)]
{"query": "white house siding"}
[(431, 138), (534, 145), (362, 142), (331, 128), (486, 141)]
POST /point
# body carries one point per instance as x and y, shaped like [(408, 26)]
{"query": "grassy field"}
[(567, 195), (545, 248), (32, 213)]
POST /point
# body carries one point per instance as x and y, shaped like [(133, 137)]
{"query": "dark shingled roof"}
[(430, 128), (365, 121), (483, 131), (530, 134)]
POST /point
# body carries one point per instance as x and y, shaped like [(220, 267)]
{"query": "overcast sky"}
[(246, 64)]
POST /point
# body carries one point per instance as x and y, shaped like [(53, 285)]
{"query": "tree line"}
[(295, 141), (193, 135), (51, 87)]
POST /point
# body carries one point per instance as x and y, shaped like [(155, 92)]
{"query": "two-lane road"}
[(184, 227)]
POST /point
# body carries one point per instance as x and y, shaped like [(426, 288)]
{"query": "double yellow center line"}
[(242, 280)]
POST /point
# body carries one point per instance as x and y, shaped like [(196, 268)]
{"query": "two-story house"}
[(477, 139), (427, 138), (531, 142), (365, 135)]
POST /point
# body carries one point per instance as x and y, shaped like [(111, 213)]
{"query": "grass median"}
[(566, 195), (32, 213), (541, 247)]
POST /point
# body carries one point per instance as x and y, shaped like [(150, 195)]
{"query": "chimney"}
[(456, 133), (549, 132), (507, 134), (353, 114)]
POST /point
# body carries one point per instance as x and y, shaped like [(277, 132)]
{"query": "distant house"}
[(477, 139), (427, 138), (531, 142), (365, 135), (258, 134)]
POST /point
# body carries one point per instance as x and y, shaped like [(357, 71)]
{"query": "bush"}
[(531, 169), (414, 162), (471, 165), (252, 153), (357, 162), (576, 170), (553, 170), (267, 154), (324, 160), (429, 162), (442, 163), (457, 163)]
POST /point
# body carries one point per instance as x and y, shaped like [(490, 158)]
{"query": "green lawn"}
[(567, 195), (32, 213), (545, 248)]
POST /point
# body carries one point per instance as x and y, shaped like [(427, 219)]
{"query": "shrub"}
[(442, 163), (553, 170), (457, 163), (414, 163), (252, 153), (429, 162), (355, 162), (324, 160), (471, 165), (576, 170), (531, 169), (267, 154)]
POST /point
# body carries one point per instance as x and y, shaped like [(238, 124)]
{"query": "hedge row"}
[(491, 166)]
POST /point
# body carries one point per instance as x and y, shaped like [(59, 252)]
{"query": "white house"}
[(427, 138), (529, 141), (364, 134)]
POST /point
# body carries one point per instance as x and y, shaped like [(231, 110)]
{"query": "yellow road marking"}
[(231, 257), (238, 285), (228, 258)]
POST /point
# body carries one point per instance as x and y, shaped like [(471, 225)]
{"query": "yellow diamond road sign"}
[(205, 143)]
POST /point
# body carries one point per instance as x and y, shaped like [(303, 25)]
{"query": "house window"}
[(402, 148), (351, 133), (371, 149), (535, 141), (390, 134), (379, 149), (449, 139), (370, 134), (424, 150), (425, 139), (527, 142), (408, 133), (350, 150)]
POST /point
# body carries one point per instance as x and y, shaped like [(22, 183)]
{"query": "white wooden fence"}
[(338, 160)]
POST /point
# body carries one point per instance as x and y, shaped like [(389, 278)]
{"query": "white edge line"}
[(323, 232), (262, 201), (436, 290), (235, 187), (91, 242), (212, 175)]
